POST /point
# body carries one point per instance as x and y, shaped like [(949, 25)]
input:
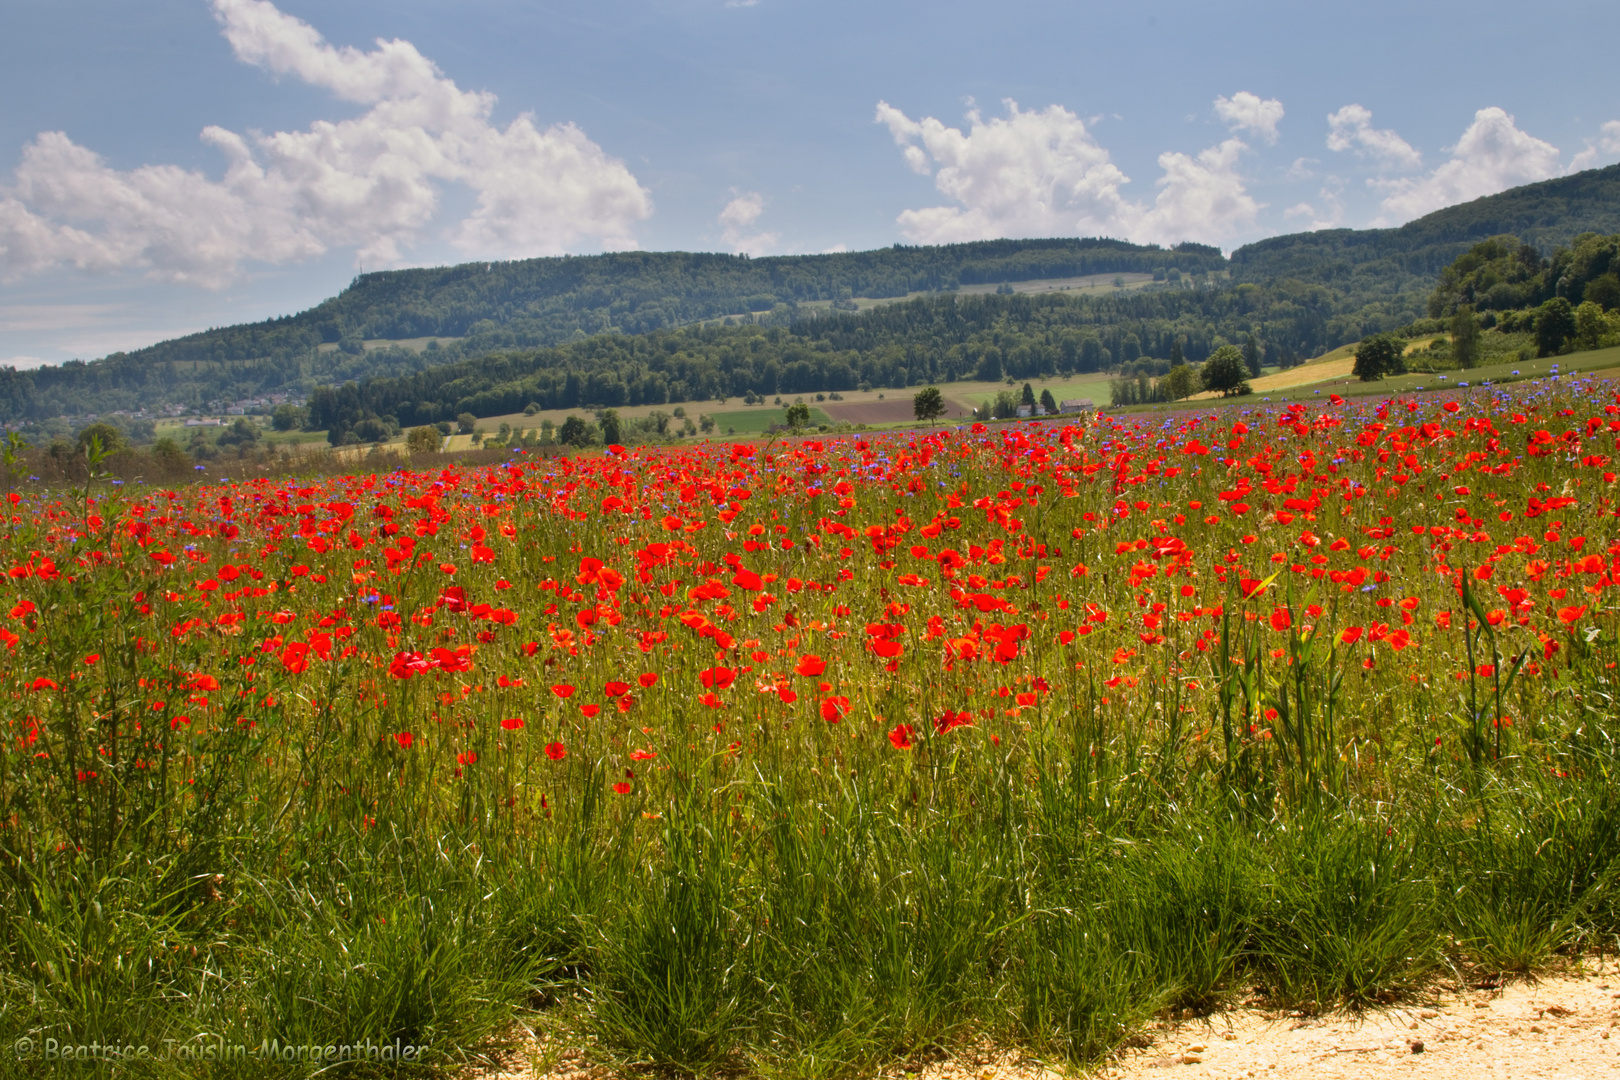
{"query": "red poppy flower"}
[(647, 679), (901, 737), (591, 710), (834, 709), (616, 689), (295, 658), (621, 788), (556, 751), (718, 677), (1281, 619), (512, 724), (405, 738), (810, 665), (711, 699), (563, 690), (643, 755)]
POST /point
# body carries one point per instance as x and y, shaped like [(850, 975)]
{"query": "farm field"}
[(756, 421), (1332, 373), (812, 757)]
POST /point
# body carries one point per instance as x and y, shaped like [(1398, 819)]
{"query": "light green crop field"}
[(757, 420)]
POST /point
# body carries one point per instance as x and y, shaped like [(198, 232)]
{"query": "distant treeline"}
[(935, 339)]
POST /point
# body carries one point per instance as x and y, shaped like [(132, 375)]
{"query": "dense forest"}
[(934, 339), (629, 328)]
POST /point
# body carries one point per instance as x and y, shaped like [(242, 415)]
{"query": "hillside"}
[(629, 328), (1403, 262)]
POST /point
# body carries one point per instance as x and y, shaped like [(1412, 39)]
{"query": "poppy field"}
[(807, 756)]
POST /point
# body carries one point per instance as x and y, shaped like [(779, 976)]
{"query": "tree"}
[(242, 432), (1179, 383), (798, 415), (928, 405), (1224, 371), (288, 417), (574, 432), (1176, 355), (423, 440), (1378, 356), (1251, 356), (1027, 397), (170, 457), (112, 440), (1555, 324), (1049, 403), (1465, 336), (612, 432), (1592, 327)]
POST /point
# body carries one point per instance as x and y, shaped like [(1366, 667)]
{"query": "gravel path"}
[(1556, 1028), (1559, 1027)]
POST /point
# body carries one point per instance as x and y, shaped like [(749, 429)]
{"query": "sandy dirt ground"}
[(1561, 1027)]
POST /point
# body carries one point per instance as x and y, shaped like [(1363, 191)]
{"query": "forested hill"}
[(1404, 261), (562, 328), (537, 302)]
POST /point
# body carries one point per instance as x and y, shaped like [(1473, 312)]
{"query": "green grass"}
[(756, 420), (1093, 387)]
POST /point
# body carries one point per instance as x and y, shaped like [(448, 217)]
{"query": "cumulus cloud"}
[(1041, 173), (1249, 112), (739, 214), (1492, 155), (1326, 213), (1351, 129), (1607, 144), (371, 182)]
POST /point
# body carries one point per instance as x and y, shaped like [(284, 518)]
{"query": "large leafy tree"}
[(1378, 356), (574, 432), (1555, 324), (1465, 336), (929, 404), (1225, 371)]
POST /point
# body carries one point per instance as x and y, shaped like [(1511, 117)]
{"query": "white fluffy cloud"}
[(1250, 112), (1607, 144), (1492, 155), (1041, 173), (1326, 213), (371, 182), (1351, 129), (741, 212)]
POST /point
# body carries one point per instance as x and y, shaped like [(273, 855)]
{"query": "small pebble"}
[(1417, 1046)]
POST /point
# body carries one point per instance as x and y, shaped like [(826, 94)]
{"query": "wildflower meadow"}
[(804, 756)]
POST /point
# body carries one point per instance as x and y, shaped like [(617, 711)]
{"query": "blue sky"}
[(178, 164)]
